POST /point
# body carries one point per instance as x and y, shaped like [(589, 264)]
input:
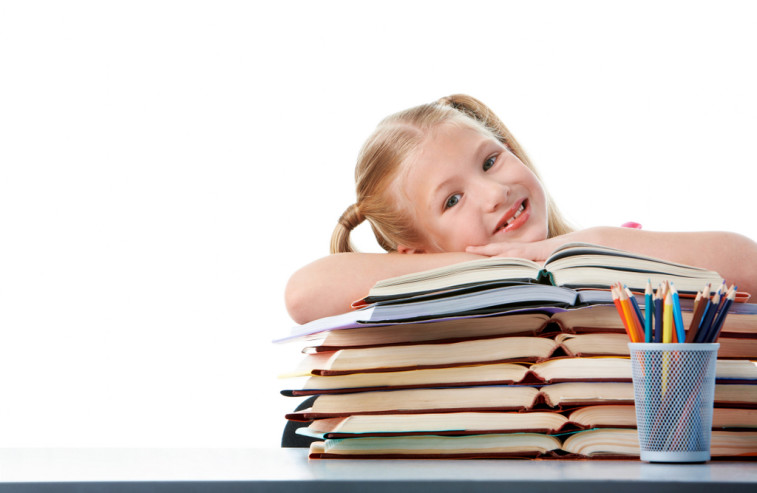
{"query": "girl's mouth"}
[(513, 219)]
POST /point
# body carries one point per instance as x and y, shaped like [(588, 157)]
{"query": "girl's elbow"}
[(297, 301)]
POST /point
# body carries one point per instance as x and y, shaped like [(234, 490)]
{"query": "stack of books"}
[(500, 358)]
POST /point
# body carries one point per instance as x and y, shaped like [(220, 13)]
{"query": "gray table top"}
[(283, 470)]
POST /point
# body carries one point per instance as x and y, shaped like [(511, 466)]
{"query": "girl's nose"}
[(493, 195)]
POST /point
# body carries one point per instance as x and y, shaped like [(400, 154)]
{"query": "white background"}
[(165, 166)]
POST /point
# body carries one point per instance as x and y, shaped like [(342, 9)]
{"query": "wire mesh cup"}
[(674, 389)]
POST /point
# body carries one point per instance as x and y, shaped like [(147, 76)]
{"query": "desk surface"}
[(289, 470)]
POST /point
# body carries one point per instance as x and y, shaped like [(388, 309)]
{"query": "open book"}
[(467, 352), (478, 423), (586, 341), (575, 369), (487, 301), (596, 443), (497, 398), (487, 398), (572, 265), (359, 327)]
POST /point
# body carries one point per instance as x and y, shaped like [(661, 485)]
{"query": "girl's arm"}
[(329, 285), (731, 255)]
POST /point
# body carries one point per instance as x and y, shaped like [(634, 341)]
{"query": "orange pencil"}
[(622, 313), (633, 322)]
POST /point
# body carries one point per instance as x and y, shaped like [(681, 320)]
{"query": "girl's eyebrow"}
[(482, 147), (442, 186), (475, 156)]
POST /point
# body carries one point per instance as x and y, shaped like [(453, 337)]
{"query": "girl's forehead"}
[(449, 143), (460, 128), (440, 155), (452, 141)]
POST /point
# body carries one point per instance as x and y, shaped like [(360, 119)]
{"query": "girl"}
[(446, 182)]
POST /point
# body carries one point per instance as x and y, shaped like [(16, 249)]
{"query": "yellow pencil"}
[(667, 319)]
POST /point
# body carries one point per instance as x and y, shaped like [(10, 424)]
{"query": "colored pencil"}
[(633, 313), (648, 309), (709, 316), (717, 325), (667, 319), (677, 317), (662, 318), (700, 311), (622, 313), (658, 315), (694, 325), (636, 309)]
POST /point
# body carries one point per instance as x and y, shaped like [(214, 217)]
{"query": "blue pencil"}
[(707, 318), (658, 315), (717, 325), (680, 330), (648, 309)]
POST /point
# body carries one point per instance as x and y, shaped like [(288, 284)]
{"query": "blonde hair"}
[(391, 144)]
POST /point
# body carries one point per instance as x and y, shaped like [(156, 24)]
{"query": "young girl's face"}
[(467, 189)]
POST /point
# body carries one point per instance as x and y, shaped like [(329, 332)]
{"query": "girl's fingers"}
[(492, 249), (532, 251)]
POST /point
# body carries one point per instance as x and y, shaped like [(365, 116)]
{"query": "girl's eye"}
[(489, 162), (452, 201)]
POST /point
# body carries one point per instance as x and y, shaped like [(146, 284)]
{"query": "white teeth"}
[(515, 216)]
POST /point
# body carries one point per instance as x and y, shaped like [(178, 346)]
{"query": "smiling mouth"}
[(510, 223)]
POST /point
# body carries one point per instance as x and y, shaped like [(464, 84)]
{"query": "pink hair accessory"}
[(631, 225)]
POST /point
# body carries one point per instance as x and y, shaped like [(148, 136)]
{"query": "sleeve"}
[(631, 224)]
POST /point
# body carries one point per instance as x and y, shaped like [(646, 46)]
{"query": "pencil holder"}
[(674, 389)]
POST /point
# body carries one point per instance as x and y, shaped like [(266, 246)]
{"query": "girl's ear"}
[(406, 249)]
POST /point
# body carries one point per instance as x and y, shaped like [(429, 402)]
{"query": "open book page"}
[(581, 264), (480, 271), (532, 444), (467, 423), (417, 356), (571, 265)]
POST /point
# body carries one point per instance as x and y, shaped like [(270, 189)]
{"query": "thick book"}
[(473, 352), (463, 376), (478, 423), (420, 356), (474, 423), (572, 265), (463, 423), (487, 301), (523, 323), (578, 369), (589, 344), (362, 328), (521, 445), (483, 300), (497, 398), (603, 442), (608, 443), (483, 398)]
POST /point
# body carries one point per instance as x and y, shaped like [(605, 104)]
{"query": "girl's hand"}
[(537, 251)]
